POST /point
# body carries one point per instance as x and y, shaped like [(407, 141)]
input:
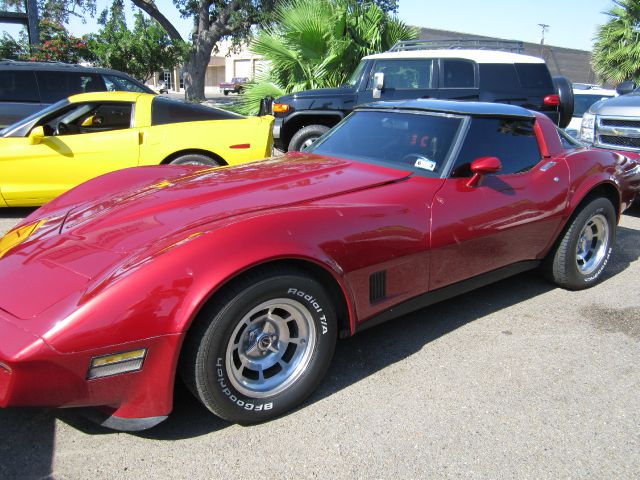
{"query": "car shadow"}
[(27, 446), (27, 443), (17, 212)]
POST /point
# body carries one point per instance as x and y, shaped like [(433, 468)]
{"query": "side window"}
[(498, 77), (404, 74), (89, 118), (457, 74), (55, 86), (512, 141), (115, 83), (535, 75), (18, 86)]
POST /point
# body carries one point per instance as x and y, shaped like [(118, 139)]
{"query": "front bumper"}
[(33, 374)]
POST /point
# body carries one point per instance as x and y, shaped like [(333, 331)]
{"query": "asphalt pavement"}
[(519, 379)]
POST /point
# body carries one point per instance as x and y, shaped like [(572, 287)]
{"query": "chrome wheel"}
[(593, 244), (308, 142), (270, 347)]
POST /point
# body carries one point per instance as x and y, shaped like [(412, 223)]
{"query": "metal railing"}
[(513, 46)]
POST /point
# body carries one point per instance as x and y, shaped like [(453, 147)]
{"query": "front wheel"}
[(304, 137), (582, 252), (261, 348)]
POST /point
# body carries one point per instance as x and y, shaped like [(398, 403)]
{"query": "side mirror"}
[(483, 166), (36, 135), (626, 87), (378, 84)]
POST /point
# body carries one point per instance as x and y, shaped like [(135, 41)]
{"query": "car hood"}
[(623, 105), (319, 92), (69, 252), (127, 220)]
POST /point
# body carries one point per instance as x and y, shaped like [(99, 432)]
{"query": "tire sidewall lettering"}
[(231, 396)]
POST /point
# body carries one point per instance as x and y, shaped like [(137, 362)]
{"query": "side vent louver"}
[(377, 286)]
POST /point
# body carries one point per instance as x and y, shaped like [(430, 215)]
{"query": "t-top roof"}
[(476, 109)]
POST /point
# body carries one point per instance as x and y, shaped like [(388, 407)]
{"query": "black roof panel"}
[(475, 109)]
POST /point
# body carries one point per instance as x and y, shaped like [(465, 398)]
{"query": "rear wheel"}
[(304, 137), (261, 347), (195, 159), (582, 253)]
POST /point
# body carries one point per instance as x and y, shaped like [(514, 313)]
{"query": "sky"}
[(572, 23)]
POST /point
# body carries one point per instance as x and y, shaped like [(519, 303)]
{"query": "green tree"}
[(213, 20), (56, 11), (616, 53), (140, 52), (319, 43), (13, 49)]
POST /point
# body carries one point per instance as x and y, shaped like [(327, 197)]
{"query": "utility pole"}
[(544, 27)]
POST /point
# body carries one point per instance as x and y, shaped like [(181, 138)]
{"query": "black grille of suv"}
[(620, 141), (620, 123), (623, 133)]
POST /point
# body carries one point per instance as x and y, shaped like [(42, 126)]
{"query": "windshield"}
[(22, 127), (356, 75), (415, 141)]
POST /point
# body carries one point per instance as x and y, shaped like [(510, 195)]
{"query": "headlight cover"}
[(587, 129)]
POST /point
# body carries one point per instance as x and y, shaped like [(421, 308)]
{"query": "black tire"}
[(233, 340), (565, 92), (195, 159), (578, 261), (306, 136), (226, 92)]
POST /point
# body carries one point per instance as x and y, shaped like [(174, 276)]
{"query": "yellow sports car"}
[(89, 134)]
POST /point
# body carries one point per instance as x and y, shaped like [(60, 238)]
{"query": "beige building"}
[(223, 66)]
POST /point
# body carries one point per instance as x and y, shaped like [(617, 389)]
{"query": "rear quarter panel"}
[(235, 141)]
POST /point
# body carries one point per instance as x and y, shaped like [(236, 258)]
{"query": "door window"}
[(404, 74), (512, 141), (458, 73), (89, 118)]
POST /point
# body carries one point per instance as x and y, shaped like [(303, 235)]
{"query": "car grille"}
[(620, 141), (609, 122), (621, 133)]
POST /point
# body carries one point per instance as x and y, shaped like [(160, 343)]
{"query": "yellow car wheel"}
[(195, 159)]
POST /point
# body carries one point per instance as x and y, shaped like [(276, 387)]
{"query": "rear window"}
[(57, 85), (18, 86), (115, 83), (164, 111), (535, 75)]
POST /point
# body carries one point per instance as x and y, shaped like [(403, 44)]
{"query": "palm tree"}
[(616, 53), (318, 43)]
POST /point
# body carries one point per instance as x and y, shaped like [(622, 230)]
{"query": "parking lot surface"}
[(515, 380)]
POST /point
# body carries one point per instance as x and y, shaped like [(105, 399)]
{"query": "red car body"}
[(127, 260)]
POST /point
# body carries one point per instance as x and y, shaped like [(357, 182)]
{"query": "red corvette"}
[(240, 279)]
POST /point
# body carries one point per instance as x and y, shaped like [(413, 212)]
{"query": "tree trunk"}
[(196, 69)]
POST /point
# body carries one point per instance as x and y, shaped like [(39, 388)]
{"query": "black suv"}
[(26, 87), (493, 71)]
